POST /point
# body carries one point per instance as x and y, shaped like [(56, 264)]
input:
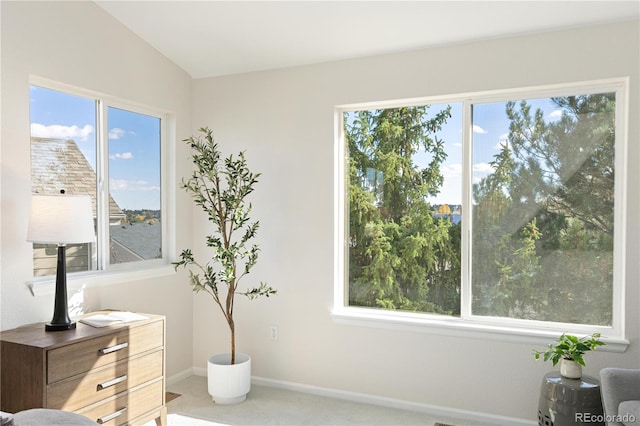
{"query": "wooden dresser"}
[(114, 375)]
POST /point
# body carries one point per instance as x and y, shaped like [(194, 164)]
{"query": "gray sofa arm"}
[(42, 416), (618, 385), (6, 419)]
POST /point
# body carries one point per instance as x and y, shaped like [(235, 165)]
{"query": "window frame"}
[(467, 323), (121, 272)]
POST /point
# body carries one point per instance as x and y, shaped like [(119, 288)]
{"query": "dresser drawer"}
[(103, 350), (104, 382), (126, 407)]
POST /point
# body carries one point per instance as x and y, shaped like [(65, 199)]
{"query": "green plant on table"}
[(570, 347)]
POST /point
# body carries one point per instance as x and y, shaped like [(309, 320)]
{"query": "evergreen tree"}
[(395, 243), (549, 201)]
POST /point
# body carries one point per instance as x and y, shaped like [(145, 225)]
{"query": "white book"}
[(111, 318)]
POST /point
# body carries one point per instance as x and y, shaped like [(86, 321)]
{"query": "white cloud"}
[(451, 170), (116, 133), (118, 184), (455, 170), (503, 139), (61, 132), (478, 129), (554, 115), (121, 156), (483, 168), (131, 185), (480, 171)]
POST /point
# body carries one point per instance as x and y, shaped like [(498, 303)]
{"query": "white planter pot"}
[(229, 384), (570, 369)]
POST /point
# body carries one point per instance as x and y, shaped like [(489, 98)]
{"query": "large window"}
[(88, 145), (496, 208)]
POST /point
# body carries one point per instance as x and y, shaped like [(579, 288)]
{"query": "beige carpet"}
[(269, 406)]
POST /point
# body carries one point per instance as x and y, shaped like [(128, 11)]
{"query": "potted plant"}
[(220, 187), (569, 351)]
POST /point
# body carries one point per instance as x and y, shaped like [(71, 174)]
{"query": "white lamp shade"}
[(61, 219)]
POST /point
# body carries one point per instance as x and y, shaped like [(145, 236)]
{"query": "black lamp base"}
[(59, 327), (60, 320)]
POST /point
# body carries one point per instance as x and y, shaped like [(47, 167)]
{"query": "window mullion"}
[(102, 193), (620, 209), (166, 207), (467, 209), (341, 214)]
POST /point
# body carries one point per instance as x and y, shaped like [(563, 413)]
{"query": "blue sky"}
[(134, 143), (490, 131)]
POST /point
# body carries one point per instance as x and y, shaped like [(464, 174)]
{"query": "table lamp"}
[(61, 219)]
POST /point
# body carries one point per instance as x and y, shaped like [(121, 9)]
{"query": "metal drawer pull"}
[(112, 382), (111, 416), (114, 348)]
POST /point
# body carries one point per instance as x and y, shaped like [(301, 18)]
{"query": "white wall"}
[(79, 44), (284, 118)]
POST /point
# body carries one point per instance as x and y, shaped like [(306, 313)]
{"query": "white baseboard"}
[(183, 375), (200, 371), (433, 410)]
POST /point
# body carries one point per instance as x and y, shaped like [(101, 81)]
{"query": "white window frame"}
[(117, 273), (468, 324)]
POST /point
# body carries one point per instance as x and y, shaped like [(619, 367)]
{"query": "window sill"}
[(47, 286), (456, 327)]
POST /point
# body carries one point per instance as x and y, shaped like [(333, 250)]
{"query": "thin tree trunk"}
[(233, 341)]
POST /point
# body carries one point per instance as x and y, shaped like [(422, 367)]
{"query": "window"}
[(134, 180), (404, 208), (498, 209), (543, 217), (86, 144)]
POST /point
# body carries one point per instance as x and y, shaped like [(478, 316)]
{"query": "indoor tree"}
[(220, 186)]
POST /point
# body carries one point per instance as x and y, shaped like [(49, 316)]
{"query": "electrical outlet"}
[(274, 332)]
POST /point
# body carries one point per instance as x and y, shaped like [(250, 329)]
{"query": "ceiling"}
[(213, 38)]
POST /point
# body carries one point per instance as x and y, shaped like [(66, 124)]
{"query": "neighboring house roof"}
[(142, 240), (59, 164)]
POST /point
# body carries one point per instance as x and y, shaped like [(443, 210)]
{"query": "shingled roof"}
[(58, 164)]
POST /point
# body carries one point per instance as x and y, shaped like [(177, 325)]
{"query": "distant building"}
[(452, 212)]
